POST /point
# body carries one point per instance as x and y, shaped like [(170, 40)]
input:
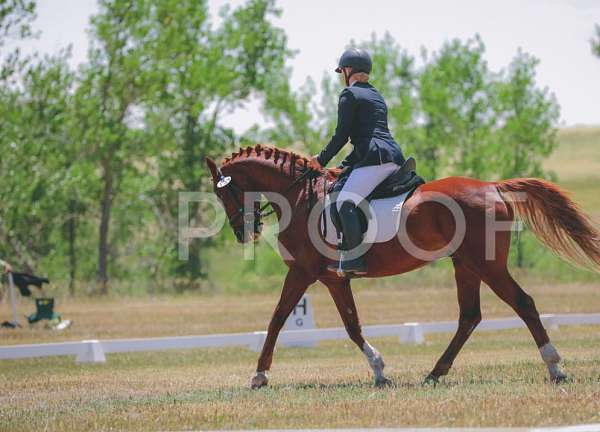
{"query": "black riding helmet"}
[(358, 59)]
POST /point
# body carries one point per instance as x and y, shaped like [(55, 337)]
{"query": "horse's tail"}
[(555, 219)]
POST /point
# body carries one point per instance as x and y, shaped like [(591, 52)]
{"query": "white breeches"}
[(363, 181)]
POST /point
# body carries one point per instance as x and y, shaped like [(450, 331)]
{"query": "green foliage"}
[(35, 159), (596, 42), (107, 149), (94, 159), (194, 74), (483, 124), (456, 105), (527, 115), (15, 19)]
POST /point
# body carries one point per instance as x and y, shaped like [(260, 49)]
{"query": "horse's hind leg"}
[(505, 287), (344, 301), (468, 284)]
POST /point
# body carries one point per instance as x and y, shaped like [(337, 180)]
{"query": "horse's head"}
[(245, 223)]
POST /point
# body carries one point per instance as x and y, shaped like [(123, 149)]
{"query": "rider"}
[(362, 117)]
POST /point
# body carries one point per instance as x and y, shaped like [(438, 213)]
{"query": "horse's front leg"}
[(294, 287), (344, 301)]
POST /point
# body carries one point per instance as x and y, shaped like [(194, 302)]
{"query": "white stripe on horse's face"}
[(552, 358)]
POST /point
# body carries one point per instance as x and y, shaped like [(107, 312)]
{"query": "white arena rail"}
[(93, 351)]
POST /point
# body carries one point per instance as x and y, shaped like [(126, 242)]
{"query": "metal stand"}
[(13, 300)]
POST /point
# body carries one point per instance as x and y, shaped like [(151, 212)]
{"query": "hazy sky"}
[(555, 31)]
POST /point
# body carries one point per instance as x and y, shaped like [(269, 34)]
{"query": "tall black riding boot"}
[(352, 238)]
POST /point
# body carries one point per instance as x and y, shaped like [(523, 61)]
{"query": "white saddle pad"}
[(383, 225)]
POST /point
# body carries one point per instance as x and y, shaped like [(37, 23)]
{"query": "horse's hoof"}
[(259, 380), (431, 380), (383, 382)]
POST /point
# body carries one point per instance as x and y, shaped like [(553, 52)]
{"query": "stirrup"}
[(340, 268), (343, 272), (337, 269)]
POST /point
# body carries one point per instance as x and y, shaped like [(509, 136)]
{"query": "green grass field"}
[(497, 380)]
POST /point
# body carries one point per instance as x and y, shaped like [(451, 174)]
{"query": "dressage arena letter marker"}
[(301, 318)]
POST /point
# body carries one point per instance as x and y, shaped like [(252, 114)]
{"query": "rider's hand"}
[(336, 171), (314, 164)]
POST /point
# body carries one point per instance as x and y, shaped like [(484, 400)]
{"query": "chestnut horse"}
[(429, 224)]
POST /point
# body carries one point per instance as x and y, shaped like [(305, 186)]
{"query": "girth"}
[(402, 180)]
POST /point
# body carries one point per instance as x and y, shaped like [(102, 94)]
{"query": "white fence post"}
[(258, 341), (414, 335), (549, 321), (13, 299), (91, 352)]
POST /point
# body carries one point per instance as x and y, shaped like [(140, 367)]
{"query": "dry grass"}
[(497, 380), (576, 162), (578, 155)]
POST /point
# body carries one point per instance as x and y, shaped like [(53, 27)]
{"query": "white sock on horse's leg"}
[(552, 358), (375, 361)]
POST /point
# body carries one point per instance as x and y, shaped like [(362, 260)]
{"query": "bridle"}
[(227, 184)]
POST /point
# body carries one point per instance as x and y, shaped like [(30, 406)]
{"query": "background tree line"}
[(92, 159)]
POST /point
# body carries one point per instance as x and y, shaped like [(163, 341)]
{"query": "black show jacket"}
[(362, 117)]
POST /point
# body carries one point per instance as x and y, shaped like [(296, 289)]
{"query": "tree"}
[(194, 74), (15, 19), (527, 118), (104, 102), (289, 111), (596, 42), (15, 24), (455, 104), (35, 151)]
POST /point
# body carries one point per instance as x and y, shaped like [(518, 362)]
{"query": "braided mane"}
[(282, 157), (266, 152)]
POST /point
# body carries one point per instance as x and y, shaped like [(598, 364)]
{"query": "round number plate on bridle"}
[(223, 181)]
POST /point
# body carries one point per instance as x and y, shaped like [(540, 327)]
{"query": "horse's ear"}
[(212, 166)]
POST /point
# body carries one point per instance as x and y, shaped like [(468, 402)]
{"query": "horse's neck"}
[(270, 178), (278, 180)]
